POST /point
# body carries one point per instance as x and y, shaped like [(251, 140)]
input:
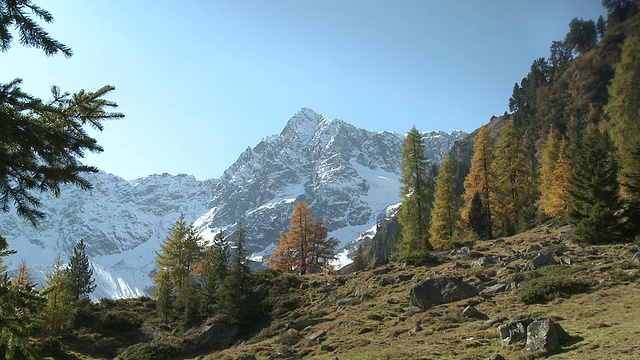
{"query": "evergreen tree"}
[(215, 268), (235, 296), (446, 222), (304, 248), (79, 274), (512, 179), (480, 179), (20, 307), (417, 197), (188, 303), (594, 191), (181, 251), (164, 294), (59, 313), (478, 221)]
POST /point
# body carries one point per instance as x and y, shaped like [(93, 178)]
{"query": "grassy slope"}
[(603, 323)]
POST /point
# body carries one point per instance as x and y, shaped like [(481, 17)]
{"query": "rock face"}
[(441, 290), (539, 334), (349, 177)]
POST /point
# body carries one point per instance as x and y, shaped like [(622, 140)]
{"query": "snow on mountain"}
[(349, 176)]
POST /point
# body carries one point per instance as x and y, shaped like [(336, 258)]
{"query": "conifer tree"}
[(215, 268), (554, 173), (359, 262), (417, 197), (181, 251), (188, 303), (164, 295), (304, 248), (594, 191), (235, 296), (446, 222), (59, 313), (79, 274), (513, 191), (624, 111), (22, 277), (20, 307), (478, 222), (480, 180)]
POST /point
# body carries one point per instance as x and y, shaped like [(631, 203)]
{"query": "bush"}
[(157, 349), (549, 283), (120, 320)]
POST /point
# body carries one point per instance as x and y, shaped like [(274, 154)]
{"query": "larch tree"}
[(79, 273), (446, 222), (359, 262), (623, 110), (480, 180), (304, 248), (59, 313), (417, 198), (512, 191), (180, 252), (594, 199), (554, 173), (22, 277)]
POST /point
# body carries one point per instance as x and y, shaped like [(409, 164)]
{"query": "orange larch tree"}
[(304, 248)]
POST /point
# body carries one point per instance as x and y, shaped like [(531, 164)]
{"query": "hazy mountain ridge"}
[(348, 175)]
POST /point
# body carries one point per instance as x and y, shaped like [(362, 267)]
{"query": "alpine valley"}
[(349, 176)]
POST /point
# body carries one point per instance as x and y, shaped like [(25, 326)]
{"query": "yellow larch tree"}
[(446, 222), (480, 178)]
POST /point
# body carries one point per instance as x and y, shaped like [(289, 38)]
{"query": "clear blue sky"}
[(200, 81)]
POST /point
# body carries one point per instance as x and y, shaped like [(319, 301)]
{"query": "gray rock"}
[(539, 261), (317, 335), (289, 337), (344, 301), (485, 261), (496, 357), (216, 336), (491, 322), (533, 248), (544, 335), (441, 290), (412, 311), (493, 290), (415, 329), (514, 331), (472, 312)]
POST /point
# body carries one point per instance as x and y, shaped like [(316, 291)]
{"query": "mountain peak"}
[(302, 124)]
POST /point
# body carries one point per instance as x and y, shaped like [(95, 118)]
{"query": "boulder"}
[(441, 290), (493, 290), (218, 335), (514, 331), (539, 261), (472, 312), (485, 261), (545, 335)]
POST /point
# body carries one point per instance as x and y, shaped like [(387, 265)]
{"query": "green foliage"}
[(180, 253), (594, 191), (79, 274), (164, 295), (417, 197), (120, 320), (582, 35), (215, 268), (478, 221), (156, 349), (188, 303), (60, 312), (40, 141), (446, 221), (549, 283)]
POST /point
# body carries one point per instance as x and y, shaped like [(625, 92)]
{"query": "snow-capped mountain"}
[(349, 176)]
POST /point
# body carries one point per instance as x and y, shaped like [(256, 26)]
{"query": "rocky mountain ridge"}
[(349, 176)]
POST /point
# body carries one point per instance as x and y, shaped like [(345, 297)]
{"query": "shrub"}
[(120, 320), (157, 349), (549, 283)]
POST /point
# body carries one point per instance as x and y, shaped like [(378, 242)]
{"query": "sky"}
[(200, 81)]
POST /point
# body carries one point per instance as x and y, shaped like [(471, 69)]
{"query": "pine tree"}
[(304, 248), (513, 191), (59, 313), (480, 179), (235, 296), (594, 191), (446, 222), (624, 111), (188, 303), (417, 197), (478, 222), (20, 307), (79, 274), (181, 251), (215, 268), (164, 295)]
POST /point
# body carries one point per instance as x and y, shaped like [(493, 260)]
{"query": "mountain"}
[(349, 176)]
